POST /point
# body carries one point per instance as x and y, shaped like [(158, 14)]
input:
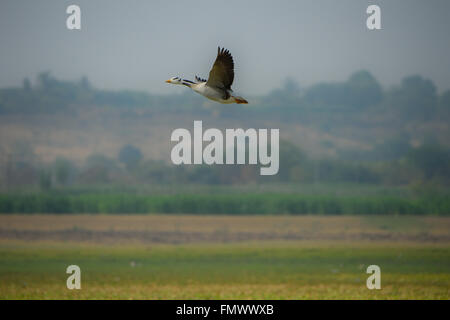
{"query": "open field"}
[(174, 229), (225, 257)]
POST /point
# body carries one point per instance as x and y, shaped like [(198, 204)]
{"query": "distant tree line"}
[(427, 164), (49, 95), (415, 98)]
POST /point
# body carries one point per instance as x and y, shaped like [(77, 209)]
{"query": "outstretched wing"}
[(222, 73), (198, 79)]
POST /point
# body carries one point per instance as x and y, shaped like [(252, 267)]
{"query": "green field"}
[(217, 272), (330, 263)]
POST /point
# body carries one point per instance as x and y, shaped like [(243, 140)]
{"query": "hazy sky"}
[(139, 44)]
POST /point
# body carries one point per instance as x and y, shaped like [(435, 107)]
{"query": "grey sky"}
[(139, 44)]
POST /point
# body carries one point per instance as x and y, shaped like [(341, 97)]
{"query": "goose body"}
[(218, 85), (212, 93)]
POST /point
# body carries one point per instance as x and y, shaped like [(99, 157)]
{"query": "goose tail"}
[(240, 100)]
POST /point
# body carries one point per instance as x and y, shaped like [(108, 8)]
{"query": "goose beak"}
[(168, 81)]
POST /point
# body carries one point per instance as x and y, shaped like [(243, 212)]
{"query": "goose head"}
[(175, 80)]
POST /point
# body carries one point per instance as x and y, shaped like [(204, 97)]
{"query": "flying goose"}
[(218, 85)]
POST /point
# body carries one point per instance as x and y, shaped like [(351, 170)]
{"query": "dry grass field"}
[(226, 257), (196, 229)]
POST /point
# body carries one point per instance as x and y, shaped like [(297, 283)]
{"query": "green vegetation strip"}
[(222, 204), (222, 272)]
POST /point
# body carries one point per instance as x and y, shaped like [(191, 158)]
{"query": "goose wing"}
[(222, 73)]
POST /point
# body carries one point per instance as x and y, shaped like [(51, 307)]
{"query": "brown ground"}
[(209, 229)]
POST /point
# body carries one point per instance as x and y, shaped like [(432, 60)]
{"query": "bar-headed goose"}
[(218, 85)]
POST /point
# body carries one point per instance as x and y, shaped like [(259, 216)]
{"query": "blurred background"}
[(361, 113), (86, 177)]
